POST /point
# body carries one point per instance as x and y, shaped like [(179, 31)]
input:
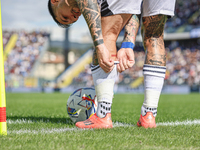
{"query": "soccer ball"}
[(81, 104)]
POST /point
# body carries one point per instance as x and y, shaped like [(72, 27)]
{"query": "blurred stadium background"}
[(47, 61)]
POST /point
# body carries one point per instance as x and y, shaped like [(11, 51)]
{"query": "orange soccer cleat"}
[(94, 122), (147, 121)]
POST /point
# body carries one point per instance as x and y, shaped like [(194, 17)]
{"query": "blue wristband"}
[(127, 45)]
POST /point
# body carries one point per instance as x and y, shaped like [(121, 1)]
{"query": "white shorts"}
[(156, 7), (149, 7), (113, 7)]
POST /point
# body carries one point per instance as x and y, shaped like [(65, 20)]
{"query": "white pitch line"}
[(54, 130), (28, 121), (67, 129), (177, 123), (115, 124), (120, 124), (43, 131), (19, 121)]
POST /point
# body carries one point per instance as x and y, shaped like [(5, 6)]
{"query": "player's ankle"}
[(103, 108), (144, 110)]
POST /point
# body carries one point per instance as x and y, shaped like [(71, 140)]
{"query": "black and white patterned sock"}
[(144, 110), (103, 108)]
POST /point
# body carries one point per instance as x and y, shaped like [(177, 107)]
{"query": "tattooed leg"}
[(153, 28), (154, 68)]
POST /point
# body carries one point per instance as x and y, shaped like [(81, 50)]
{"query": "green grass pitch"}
[(38, 121)]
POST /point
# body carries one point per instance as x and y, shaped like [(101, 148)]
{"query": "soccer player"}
[(114, 15), (154, 17)]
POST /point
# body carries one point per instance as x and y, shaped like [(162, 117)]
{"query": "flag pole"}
[(3, 124)]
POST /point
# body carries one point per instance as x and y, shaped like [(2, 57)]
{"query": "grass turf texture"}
[(44, 113)]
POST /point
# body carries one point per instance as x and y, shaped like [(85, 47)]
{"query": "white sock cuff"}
[(154, 70), (95, 68), (100, 76)]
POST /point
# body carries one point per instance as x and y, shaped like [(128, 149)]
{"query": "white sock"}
[(153, 83), (104, 86)]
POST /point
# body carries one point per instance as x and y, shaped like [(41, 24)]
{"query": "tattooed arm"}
[(131, 29), (126, 55), (91, 13)]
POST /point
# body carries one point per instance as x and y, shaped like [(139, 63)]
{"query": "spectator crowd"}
[(22, 57), (187, 15), (183, 67)]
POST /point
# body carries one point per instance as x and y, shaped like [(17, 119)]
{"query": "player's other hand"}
[(126, 59), (104, 59)]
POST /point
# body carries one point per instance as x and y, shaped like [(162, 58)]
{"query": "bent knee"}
[(154, 26)]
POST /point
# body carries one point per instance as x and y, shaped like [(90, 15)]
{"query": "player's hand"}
[(126, 59), (104, 59)]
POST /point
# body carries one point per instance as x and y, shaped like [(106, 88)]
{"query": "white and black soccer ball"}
[(81, 104)]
